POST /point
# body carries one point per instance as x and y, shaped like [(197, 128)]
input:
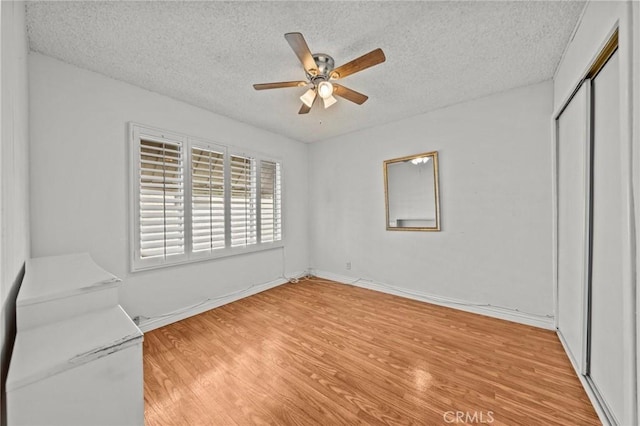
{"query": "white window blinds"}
[(270, 202), (243, 201), (207, 200), (193, 199), (161, 199)]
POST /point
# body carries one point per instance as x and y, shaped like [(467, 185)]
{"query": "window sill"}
[(214, 255)]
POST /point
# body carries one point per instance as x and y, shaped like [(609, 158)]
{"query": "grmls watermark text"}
[(477, 417)]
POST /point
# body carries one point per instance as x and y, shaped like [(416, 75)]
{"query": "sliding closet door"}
[(572, 161), (606, 345)]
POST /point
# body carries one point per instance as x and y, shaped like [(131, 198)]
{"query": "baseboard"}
[(166, 319), (595, 401), (463, 305)]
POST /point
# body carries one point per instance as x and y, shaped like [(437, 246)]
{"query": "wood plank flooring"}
[(323, 353)]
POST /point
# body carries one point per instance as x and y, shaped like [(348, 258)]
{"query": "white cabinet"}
[(77, 358)]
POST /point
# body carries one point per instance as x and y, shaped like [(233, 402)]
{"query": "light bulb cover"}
[(328, 101), (325, 89), (308, 97)]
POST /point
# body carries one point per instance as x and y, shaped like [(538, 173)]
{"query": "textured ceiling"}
[(210, 53)]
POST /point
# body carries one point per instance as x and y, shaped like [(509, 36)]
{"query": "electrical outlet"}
[(348, 266)]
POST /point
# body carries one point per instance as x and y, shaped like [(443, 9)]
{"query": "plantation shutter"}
[(243, 201), (270, 202), (161, 197), (207, 200)]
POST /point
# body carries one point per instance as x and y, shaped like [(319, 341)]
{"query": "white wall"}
[(14, 167), (495, 167), (596, 25), (80, 183), (15, 135)]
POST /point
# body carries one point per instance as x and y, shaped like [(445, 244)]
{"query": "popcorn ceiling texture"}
[(209, 54)]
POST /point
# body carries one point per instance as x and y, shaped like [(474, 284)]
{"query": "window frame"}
[(276, 200), (139, 131), (254, 190), (154, 135), (208, 146)]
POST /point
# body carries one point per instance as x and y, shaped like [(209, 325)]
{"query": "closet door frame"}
[(618, 38)]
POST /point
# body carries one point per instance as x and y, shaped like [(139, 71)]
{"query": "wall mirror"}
[(411, 193)]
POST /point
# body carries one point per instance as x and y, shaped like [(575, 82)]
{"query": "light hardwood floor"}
[(323, 353)]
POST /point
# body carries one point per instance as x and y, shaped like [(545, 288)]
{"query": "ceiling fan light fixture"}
[(328, 101), (319, 69), (308, 97), (325, 90)]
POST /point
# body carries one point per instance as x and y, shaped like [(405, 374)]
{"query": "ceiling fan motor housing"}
[(325, 65)]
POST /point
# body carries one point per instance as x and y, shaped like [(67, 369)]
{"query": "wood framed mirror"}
[(412, 198)]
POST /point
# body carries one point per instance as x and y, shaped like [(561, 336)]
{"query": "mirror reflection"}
[(411, 192)]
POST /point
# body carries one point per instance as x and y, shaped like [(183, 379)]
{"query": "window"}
[(161, 199), (270, 201), (207, 200), (193, 200), (243, 201)]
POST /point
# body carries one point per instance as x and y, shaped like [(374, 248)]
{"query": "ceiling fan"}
[(320, 71)]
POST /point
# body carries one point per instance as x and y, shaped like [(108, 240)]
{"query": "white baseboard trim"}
[(595, 401), (463, 305), (161, 321)]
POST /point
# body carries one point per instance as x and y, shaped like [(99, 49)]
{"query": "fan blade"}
[(304, 109), (365, 61), (281, 84), (349, 94), (299, 46)]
